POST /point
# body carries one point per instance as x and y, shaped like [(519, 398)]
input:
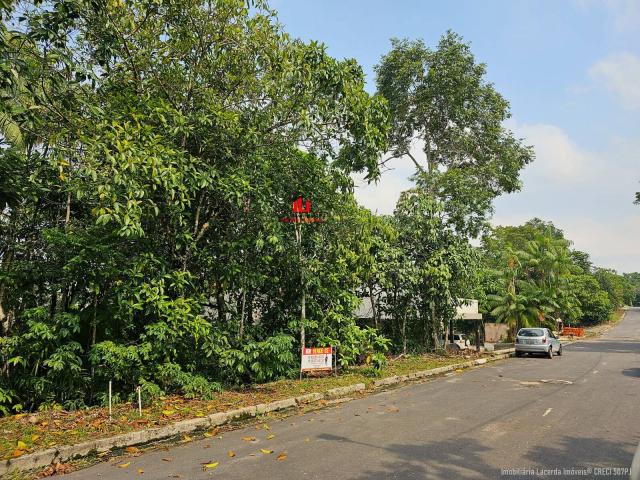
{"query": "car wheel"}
[(550, 353), (560, 351)]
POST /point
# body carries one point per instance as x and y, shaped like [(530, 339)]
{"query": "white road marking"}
[(595, 371), (547, 412)]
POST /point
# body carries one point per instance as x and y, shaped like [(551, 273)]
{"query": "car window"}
[(531, 332)]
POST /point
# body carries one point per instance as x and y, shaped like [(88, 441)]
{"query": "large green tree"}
[(448, 119), (160, 143)]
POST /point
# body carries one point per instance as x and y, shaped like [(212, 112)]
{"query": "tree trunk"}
[(404, 334), (374, 310), (434, 333), (242, 309), (220, 301), (4, 316)]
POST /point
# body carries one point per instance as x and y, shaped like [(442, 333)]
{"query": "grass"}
[(617, 316), (25, 433)]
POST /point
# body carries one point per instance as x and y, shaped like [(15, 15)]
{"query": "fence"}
[(575, 331)]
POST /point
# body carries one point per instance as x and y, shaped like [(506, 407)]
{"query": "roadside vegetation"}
[(24, 433), (148, 152)]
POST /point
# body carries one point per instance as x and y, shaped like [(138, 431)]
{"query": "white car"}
[(459, 339)]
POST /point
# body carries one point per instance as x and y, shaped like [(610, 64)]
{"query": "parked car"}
[(459, 339), (537, 340)]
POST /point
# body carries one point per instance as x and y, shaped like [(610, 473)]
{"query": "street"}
[(580, 411)]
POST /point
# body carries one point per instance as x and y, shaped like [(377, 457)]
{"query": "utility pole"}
[(303, 299)]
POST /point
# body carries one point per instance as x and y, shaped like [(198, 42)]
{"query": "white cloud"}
[(588, 194), (558, 158), (624, 15), (382, 197), (620, 74)]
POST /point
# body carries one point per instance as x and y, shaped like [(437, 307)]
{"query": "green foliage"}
[(150, 393), (360, 346), (172, 378), (270, 359), (539, 278), (149, 150)]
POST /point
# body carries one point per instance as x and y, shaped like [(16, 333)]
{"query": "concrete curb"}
[(64, 453), (387, 381)]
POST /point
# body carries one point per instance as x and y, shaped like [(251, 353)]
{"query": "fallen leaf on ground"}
[(269, 437), (249, 439), (131, 450), (186, 438), (167, 459), (124, 465), (140, 471), (210, 465), (264, 450), (34, 438), (281, 457), (231, 453), (209, 434), (21, 445), (17, 453), (168, 412)]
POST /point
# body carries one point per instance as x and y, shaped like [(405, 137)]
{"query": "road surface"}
[(580, 411)]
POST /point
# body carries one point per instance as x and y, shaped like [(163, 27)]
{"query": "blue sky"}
[(571, 70)]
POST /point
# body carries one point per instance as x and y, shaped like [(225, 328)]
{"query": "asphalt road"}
[(580, 411)]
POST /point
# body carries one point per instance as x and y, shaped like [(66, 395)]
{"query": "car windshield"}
[(531, 332)]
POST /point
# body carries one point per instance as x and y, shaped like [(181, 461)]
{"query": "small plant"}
[(150, 393)]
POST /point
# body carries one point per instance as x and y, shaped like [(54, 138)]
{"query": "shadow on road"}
[(631, 372), (454, 458), (610, 346), (466, 458), (580, 452)]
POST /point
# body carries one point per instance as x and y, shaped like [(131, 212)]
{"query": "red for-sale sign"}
[(317, 359)]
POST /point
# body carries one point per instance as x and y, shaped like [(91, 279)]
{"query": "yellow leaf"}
[(131, 450), (266, 427), (21, 445), (186, 438), (168, 412), (209, 434), (249, 439), (265, 451), (124, 465), (210, 465), (141, 471), (307, 439), (34, 438), (231, 453), (281, 457), (269, 437)]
